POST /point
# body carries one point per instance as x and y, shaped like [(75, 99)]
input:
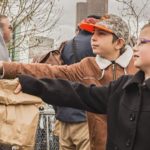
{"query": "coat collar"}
[(123, 60), (137, 79)]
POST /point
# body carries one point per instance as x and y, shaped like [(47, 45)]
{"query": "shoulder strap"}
[(61, 47), (74, 45)]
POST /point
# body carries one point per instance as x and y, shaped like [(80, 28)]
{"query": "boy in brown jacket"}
[(113, 59)]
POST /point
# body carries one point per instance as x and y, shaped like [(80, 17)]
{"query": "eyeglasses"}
[(142, 41)]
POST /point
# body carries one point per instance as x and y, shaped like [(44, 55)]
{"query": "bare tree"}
[(30, 18), (134, 11)]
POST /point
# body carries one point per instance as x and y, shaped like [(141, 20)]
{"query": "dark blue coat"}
[(75, 50)]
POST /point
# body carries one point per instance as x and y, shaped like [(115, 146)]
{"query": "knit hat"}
[(109, 23)]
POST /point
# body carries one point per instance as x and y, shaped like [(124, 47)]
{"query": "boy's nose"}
[(135, 47), (93, 38)]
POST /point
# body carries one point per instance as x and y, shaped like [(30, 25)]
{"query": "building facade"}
[(91, 7)]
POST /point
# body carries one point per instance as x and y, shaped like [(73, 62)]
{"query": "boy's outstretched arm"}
[(64, 93)]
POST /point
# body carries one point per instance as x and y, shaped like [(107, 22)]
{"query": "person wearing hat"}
[(113, 59)]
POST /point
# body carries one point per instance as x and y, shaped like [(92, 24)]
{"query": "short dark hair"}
[(115, 38), (94, 16)]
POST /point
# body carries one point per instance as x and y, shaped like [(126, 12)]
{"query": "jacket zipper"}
[(114, 70)]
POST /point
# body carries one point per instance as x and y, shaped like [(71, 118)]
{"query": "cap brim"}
[(91, 27), (87, 27)]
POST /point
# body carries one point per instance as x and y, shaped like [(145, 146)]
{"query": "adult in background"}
[(5, 36)]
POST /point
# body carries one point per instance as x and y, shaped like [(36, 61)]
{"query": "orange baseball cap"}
[(109, 23), (89, 24)]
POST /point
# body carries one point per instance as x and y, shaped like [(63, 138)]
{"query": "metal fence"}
[(45, 139)]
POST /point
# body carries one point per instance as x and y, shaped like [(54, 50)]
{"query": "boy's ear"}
[(119, 43)]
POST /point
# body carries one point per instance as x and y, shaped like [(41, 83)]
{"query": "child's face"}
[(102, 44), (142, 50)]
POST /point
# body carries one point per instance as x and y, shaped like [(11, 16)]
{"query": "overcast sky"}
[(66, 25)]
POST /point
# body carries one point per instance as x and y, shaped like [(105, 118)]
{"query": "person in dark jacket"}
[(125, 101)]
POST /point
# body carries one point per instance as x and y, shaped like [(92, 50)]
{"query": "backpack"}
[(53, 57)]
